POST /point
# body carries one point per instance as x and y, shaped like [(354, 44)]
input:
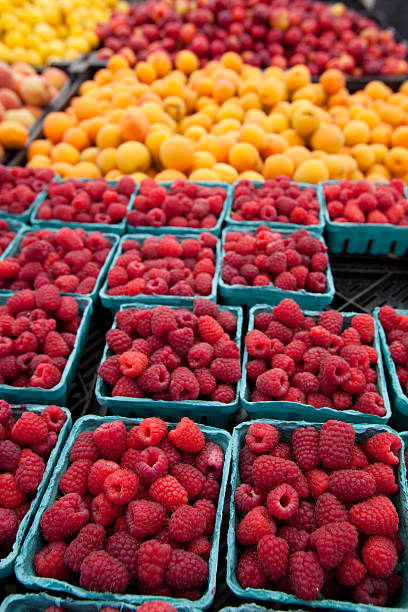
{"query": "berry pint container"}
[(212, 413), (269, 294), (42, 601), (360, 238), (114, 228), (182, 231), (24, 567), (400, 500), (7, 563), (114, 302), (292, 410), (59, 393), (14, 248), (233, 225), (399, 399)]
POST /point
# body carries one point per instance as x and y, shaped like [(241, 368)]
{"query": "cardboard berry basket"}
[(14, 248), (24, 567), (269, 294), (114, 302), (213, 413), (41, 601), (181, 231), (235, 225), (59, 393), (114, 228), (399, 399), (7, 563), (400, 500), (293, 410), (359, 238)]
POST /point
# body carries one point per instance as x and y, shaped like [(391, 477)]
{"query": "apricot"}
[(169, 175), (278, 164), (380, 152), (13, 135), (39, 147), (177, 152), (109, 135), (232, 61), (298, 154), (161, 63), (381, 134), (175, 107), (271, 92), (356, 132), (89, 154), (226, 173), (145, 72), (221, 147), (399, 137), (298, 76), (76, 137), (55, 125), (396, 161), (106, 160), (186, 61), (21, 115), (377, 90), (39, 161), (292, 137), (34, 90), (65, 152), (204, 174), (153, 142), (332, 81), (391, 113), (311, 171), (132, 156), (203, 159), (251, 175), (380, 169), (364, 156), (85, 107), (133, 126), (9, 99), (274, 143), (306, 121), (328, 138), (85, 169), (336, 166), (369, 116), (252, 133), (243, 156), (277, 122)]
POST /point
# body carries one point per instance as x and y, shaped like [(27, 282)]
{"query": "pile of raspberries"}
[(150, 606), (92, 202), (317, 519), (25, 444), (20, 186), (6, 235), (136, 510), (396, 332), (365, 202), (276, 200), (37, 334), (165, 266), (297, 359), (69, 258), (265, 257), (174, 354), (183, 205)]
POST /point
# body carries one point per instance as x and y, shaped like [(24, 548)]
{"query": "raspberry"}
[(305, 445), (102, 572), (306, 575), (283, 501), (186, 523), (254, 526), (49, 562), (258, 344), (333, 542), (121, 486), (274, 382), (250, 573), (318, 482), (206, 381), (45, 375), (384, 477), (152, 463), (48, 298), (145, 518), (336, 444), (380, 556), (186, 570), (118, 341), (246, 498), (90, 538), (364, 324), (329, 509), (75, 478), (9, 455), (190, 478), (30, 428), (332, 321), (269, 472), (262, 437), (246, 460), (111, 439), (388, 318), (375, 516), (288, 313), (183, 385), (23, 300), (282, 450), (296, 538), (187, 436), (352, 485), (226, 370), (155, 606), (67, 309), (168, 492), (273, 553), (350, 571), (373, 591), (150, 432), (124, 547), (65, 517), (54, 417), (304, 518), (181, 340), (153, 559), (384, 447), (84, 448), (10, 494), (156, 378)]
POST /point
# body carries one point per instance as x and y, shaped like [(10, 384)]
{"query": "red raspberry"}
[(111, 439), (262, 437), (329, 509), (133, 363), (150, 432), (305, 446), (75, 478), (90, 538), (29, 472), (65, 517), (206, 381), (153, 559), (370, 403), (10, 494), (103, 511), (226, 370), (186, 523), (9, 455), (118, 341), (151, 464), (121, 486), (67, 309), (384, 447), (372, 591), (282, 450), (124, 547), (318, 481), (306, 575), (49, 562), (388, 318), (145, 518), (350, 571), (200, 546), (274, 382), (109, 370), (273, 553), (336, 444), (375, 516), (283, 501), (332, 321), (296, 538), (380, 556), (30, 429), (183, 385), (168, 492), (384, 477), (156, 378), (246, 460), (84, 448), (256, 524), (155, 606), (209, 329), (102, 572), (246, 498), (269, 472), (181, 340), (54, 417), (55, 345), (250, 573), (190, 478), (288, 313), (364, 324), (224, 394), (258, 344), (351, 485), (45, 375), (186, 570), (187, 436), (304, 517), (333, 542)]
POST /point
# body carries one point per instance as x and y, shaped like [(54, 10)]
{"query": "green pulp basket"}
[(36, 602)]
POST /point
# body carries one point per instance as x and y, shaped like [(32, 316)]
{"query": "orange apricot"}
[(177, 152), (55, 125), (76, 137)]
